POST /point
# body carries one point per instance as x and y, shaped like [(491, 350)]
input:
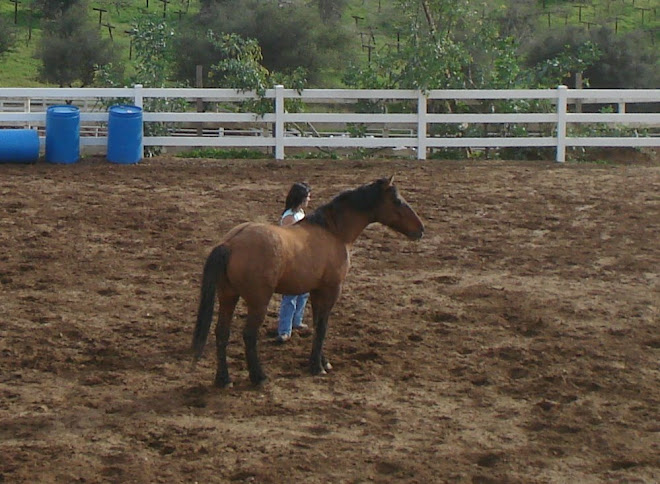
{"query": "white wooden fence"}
[(26, 107)]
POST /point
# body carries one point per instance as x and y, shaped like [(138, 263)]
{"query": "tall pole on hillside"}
[(165, 2), (15, 2), (29, 22)]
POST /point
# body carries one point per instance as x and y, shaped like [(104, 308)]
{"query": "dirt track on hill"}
[(517, 342)]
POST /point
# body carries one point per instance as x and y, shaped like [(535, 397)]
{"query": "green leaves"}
[(453, 45), (573, 59), (240, 68), (71, 48), (152, 45)]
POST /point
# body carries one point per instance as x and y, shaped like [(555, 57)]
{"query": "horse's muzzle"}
[(416, 235)]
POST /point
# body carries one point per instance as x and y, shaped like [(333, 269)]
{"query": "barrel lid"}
[(125, 110), (63, 110)]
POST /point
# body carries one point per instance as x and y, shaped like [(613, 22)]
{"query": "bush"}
[(624, 62), (7, 36), (224, 154), (289, 38), (71, 49), (53, 8)]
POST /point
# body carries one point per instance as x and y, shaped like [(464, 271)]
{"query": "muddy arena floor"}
[(517, 342)]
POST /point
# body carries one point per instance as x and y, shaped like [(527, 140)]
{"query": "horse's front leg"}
[(255, 318), (322, 304), (317, 361), (222, 332)]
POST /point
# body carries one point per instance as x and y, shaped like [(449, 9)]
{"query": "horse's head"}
[(394, 212)]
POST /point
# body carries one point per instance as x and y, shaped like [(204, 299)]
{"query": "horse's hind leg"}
[(222, 331), (255, 318)]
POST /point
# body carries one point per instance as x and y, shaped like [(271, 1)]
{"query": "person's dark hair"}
[(297, 195)]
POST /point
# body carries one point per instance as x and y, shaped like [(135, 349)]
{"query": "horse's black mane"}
[(361, 199)]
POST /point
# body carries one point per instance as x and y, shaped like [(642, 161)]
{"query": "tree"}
[(153, 45), (152, 61), (444, 45), (240, 66), (623, 61), (564, 67), (289, 38), (53, 8), (627, 61), (518, 19), (152, 56), (71, 48), (454, 45), (7, 36), (208, 4), (331, 10)]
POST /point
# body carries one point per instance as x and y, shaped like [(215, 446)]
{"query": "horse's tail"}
[(215, 266)]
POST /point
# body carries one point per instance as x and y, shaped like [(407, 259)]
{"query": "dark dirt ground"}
[(517, 342)]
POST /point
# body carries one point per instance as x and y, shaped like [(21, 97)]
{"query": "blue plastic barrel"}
[(124, 134), (19, 146), (62, 134)]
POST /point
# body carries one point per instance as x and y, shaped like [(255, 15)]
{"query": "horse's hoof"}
[(318, 371), (260, 381), (327, 366), (224, 384)]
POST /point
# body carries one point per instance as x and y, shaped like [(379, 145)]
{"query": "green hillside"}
[(19, 68), (373, 23)]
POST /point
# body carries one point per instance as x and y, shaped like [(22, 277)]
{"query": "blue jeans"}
[(291, 312)]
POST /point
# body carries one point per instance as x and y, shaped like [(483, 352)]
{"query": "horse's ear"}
[(390, 182)]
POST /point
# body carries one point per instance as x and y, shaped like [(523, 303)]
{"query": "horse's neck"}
[(347, 225)]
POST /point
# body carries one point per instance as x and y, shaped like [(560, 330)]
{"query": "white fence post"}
[(138, 100), (28, 108), (421, 125), (562, 102), (279, 122)]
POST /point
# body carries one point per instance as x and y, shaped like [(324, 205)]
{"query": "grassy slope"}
[(19, 68)]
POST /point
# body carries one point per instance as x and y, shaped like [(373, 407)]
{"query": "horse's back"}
[(255, 248)]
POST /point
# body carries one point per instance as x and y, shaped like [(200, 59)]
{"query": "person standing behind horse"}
[(292, 306)]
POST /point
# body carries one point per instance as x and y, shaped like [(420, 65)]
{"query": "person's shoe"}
[(283, 338), (302, 327)]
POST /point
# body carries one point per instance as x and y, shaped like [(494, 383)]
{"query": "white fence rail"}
[(414, 128)]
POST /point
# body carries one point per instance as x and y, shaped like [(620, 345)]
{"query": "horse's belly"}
[(291, 287), (297, 279), (307, 274)]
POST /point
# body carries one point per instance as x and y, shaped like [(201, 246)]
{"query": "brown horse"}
[(256, 260)]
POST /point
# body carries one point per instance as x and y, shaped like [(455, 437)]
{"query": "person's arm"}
[(288, 220)]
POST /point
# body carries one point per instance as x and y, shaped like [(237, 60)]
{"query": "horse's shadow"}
[(182, 394)]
